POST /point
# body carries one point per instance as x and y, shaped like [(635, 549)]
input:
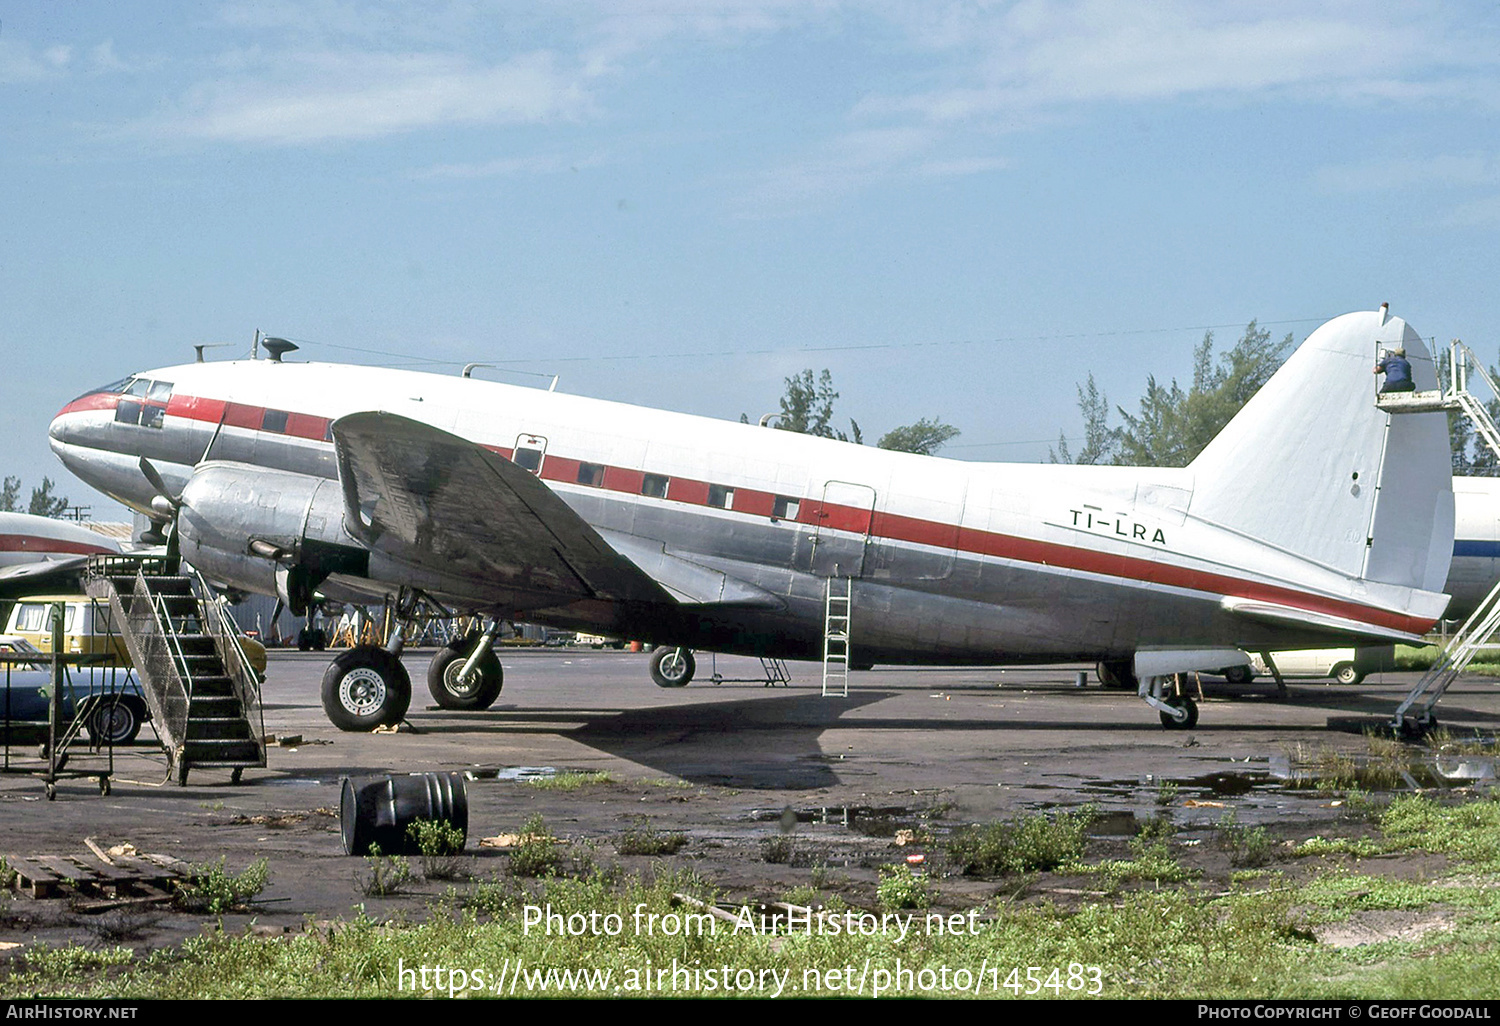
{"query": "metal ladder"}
[(1473, 636), (837, 607), (1412, 717)]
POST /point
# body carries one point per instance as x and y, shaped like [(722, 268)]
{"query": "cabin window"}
[(785, 508), (721, 496), (274, 420), (654, 486), (591, 474)]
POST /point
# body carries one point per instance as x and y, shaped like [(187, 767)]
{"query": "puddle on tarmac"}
[(510, 772), (869, 820)]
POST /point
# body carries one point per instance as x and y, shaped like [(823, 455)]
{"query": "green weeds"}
[(535, 854), (213, 889), (641, 839), (1027, 843), (900, 888)]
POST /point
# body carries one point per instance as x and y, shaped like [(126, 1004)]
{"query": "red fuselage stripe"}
[(35, 543)]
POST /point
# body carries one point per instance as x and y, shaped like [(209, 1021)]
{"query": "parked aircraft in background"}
[(1476, 543), (25, 538), (40, 554), (1313, 519)]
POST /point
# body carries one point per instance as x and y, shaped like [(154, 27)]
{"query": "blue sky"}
[(961, 209)]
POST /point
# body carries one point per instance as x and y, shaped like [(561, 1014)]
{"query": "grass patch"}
[(1248, 847), (900, 888), (383, 874), (572, 781), (213, 889), (1468, 833), (641, 839), (1025, 844), (535, 854), (439, 843)]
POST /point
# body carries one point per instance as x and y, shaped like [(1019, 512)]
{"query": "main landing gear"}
[(466, 674), (368, 687)]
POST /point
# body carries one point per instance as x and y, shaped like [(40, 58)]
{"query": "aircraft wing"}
[(52, 576), (452, 507)]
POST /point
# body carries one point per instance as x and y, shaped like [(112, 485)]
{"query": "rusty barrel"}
[(379, 810)]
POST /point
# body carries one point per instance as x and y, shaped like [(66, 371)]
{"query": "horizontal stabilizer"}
[(1290, 616)]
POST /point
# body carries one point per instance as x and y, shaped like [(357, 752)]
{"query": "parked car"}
[(108, 695)]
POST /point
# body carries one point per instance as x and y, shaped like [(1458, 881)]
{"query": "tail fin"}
[(1312, 466)]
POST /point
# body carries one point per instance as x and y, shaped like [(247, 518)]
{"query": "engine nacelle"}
[(267, 531)]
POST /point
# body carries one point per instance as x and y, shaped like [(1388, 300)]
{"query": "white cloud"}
[(308, 98), (507, 167), (19, 63), (1040, 53)]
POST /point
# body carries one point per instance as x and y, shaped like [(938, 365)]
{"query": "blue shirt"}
[(1397, 371)]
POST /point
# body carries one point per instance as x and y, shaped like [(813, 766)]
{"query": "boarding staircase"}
[(1414, 714), (203, 694), (837, 607)]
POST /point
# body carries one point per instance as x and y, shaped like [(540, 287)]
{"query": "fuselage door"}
[(841, 530)]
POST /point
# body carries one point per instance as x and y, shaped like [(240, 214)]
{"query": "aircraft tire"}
[(442, 677), (672, 667), (1181, 702), (1345, 673), (365, 688), (114, 722), (1116, 674)]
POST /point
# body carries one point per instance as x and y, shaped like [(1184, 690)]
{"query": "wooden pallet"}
[(97, 885)]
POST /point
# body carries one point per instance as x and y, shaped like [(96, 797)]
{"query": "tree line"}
[(43, 502), (807, 408)]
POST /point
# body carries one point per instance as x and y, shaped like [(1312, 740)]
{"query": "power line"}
[(408, 360)]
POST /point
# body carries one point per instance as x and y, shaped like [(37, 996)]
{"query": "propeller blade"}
[(154, 479)]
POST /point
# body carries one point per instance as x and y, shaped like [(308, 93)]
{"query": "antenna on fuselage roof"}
[(470, 368), (199, 347), (279, 347)]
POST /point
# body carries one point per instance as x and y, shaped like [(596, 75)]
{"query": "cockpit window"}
[(113, 386), (144, 403)]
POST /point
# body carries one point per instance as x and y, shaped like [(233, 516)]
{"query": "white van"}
[(1345, 665)]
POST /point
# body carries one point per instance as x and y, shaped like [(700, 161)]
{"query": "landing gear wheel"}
[(365, 688), (113, 723), (1345, 673), (1239, 674), (104, 787), (672, 667), (1189, 721), (234, 774), (479, 693), (1116, 673)]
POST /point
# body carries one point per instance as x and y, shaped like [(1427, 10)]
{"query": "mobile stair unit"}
[(1414, 714), (203, 693)]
